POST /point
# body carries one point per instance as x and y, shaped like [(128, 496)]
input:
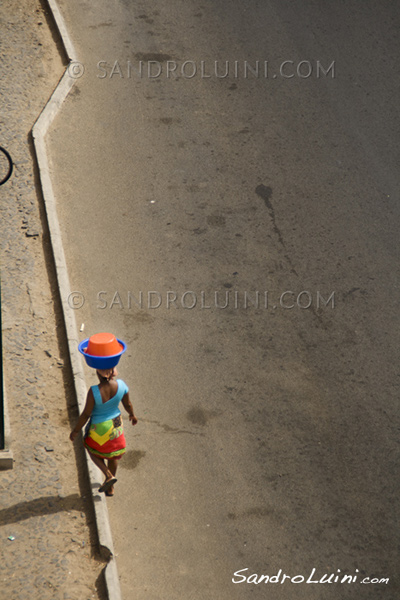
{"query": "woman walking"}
[(104, 435)]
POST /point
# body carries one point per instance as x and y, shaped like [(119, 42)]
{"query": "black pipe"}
[(10, 165)]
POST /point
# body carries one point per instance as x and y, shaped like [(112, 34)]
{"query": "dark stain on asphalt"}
[(75, 92), (197, 416), (106, 24), (353, 290), (265, 192), (168, 429), (146, 19), (216, 221), (132, 458)]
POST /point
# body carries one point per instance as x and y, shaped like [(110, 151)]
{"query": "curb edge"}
[(39, 131)]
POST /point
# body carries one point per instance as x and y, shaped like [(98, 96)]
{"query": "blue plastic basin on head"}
[(101, 362)]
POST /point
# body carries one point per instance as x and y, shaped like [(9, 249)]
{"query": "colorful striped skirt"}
[(106, 439)]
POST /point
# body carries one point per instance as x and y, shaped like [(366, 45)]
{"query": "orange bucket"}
[(103, 344)]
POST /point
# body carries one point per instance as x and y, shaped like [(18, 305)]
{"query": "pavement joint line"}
[(39, 132)]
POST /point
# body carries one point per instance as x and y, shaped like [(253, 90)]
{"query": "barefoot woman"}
[(104, 436)]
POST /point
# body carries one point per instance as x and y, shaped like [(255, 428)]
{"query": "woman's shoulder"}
[(122, 386), (95, 391)]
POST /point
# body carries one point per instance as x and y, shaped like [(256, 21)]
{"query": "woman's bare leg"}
[(112, 465), (99, 462)]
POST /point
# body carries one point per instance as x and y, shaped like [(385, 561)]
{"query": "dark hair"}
[(104, 379)]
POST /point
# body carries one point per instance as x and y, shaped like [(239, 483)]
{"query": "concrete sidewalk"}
[(48, 540)]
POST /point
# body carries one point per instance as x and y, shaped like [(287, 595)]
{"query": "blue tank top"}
[(104, 411)]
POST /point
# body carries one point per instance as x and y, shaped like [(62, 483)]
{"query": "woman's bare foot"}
[(108, 484), (110, 492)]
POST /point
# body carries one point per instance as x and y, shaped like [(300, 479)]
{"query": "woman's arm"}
[(129, 408), (87, 411)]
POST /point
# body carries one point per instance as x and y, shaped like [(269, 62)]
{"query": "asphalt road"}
[(268, 435)]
